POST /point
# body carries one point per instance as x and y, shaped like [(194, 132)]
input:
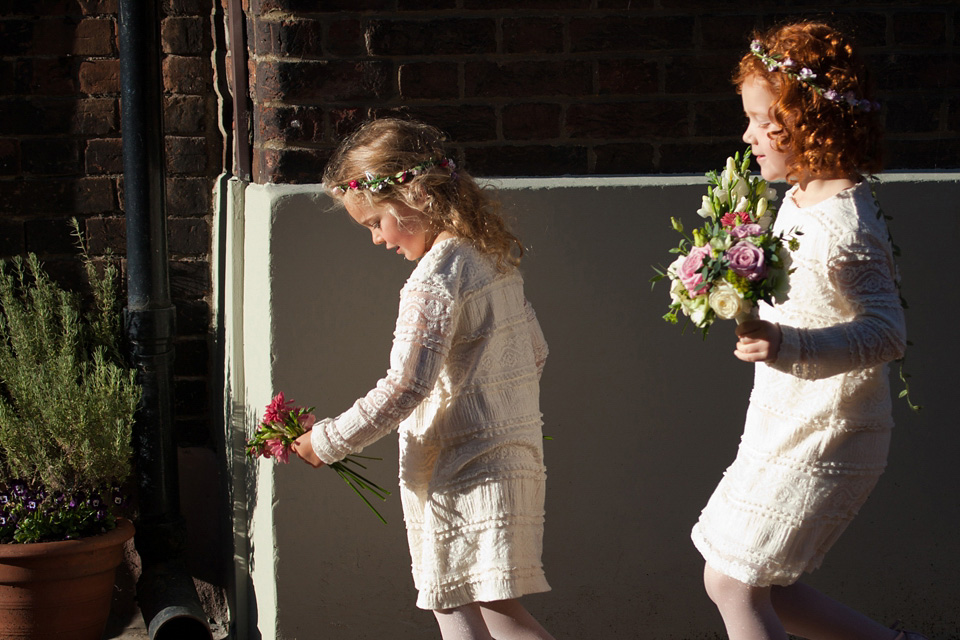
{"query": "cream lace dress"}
[(463, 386), (818, 426)]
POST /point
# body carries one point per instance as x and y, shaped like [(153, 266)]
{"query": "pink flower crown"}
[(806, 76), (376, 183)]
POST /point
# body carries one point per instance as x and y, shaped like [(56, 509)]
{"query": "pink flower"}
[(276, 449), (306, 421), (689, 270), (730, 219), (746, 259), (278, 409), (744, 230)]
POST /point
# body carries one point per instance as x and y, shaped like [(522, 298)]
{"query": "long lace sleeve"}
[(421, 343), (862, 276)]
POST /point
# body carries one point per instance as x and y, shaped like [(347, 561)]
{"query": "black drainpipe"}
[(165, 591)]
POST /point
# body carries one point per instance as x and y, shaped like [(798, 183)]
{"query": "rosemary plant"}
[(67, 402)]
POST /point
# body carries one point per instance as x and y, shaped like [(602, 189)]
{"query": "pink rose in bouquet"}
[(746, 259)]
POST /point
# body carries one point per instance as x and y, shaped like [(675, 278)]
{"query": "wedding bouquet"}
[(734, 259), (283, 423)]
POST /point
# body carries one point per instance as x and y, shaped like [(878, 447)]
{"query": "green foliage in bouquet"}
[(67, 402)]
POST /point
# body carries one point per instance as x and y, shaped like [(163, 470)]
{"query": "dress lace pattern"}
[(818, 427), (463, 388)]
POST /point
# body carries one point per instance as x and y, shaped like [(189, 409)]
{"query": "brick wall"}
[(553, 87), (60, 156)]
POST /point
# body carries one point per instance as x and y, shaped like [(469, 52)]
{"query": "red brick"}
[(532, 35), (183, 35), (98, 77), (106, 233), (16, 37), (188, 236), (192, 358), (625, 158), (290, 124), (327, 6), (50, 156), (49, 235), (345, 38), (189, 280), (627, 120), (627, 76), (186, 74), (315, 82), (701, 74), (28, 116), (926, 29), (431, 37), (95, 37), (527, 78), (96, 117), (104, 155), (434, 80), (294, 166), (12, 240), (426, 5), (186, 7), (693, 156), (725, 32), (719, 117), (531, 121), (534, 160), (622, 33), (185, 114), (295, 38), (93, 195), (98, 7), (193, 316), (9, 157), (186, 155), (463, 123), (48, 76), (189, 196), (528, 5)]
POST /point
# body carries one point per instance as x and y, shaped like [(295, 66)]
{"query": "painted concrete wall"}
[(644, 419)]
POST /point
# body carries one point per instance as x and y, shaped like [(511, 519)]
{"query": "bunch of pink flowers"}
[(283, 423), (734, 260)]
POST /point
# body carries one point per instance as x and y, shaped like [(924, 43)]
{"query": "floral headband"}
[(376, 183), (806, 76)]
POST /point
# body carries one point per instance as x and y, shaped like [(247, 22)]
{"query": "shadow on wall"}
[(644, 419)]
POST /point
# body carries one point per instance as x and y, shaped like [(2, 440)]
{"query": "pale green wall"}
[(644, 419)]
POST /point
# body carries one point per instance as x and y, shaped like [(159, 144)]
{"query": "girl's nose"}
[(377, 238), (747, 137)]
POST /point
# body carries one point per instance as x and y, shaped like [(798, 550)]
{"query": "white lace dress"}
[(464, 388), (818, 427)]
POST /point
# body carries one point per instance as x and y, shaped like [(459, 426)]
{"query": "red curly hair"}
[(825, 138)]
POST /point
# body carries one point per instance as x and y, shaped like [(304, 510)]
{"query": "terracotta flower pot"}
[(62, 589)]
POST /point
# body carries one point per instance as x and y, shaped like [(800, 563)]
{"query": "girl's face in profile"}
[(393, 224), (758, 107)]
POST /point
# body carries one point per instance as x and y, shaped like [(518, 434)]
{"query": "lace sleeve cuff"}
[(788, 358), (323, 437)]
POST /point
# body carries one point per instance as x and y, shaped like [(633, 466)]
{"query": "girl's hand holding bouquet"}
[(286, 428)]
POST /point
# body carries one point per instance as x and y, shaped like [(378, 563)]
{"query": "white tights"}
[(770, 613), (501, 620)]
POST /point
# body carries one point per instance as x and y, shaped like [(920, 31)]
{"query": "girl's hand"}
[(759, 341), (304, 450)]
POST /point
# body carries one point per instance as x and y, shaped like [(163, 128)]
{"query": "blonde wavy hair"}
[(450, 200), (824, 137)]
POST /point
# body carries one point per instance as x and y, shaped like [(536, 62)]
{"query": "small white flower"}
[(807, 74), (706, 209), (761, 207), (771, 194)]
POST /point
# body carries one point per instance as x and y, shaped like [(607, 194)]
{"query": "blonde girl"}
[(463, 383), (818, 427)]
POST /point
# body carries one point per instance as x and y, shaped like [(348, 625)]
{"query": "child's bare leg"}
[(509, 620), (462, 623), (807, 613), (747, 611)]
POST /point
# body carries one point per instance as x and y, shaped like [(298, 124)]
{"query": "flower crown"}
[(376, 183), (806, 76)]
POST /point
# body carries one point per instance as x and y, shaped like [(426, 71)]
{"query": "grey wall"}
[(644, 420)]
